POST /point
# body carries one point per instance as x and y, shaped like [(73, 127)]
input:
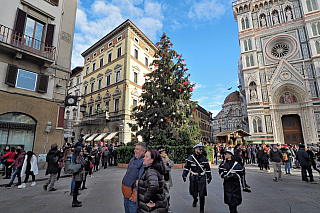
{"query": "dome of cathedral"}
[(232, 97)]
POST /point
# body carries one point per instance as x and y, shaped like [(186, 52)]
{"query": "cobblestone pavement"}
[(104, 194)]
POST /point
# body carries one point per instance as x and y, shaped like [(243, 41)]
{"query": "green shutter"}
[(309, 5)]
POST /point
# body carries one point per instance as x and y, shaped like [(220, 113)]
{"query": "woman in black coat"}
[(151, 194), (231, 172)]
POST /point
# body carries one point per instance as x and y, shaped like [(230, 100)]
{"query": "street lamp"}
[(83, 108)]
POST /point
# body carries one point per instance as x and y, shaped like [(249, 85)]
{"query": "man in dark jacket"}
[(79, 143), (305, 162), (276, 158), (200, 175), (52, 159), (130, 179)]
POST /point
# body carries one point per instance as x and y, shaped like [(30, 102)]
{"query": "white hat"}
[(230, 151), (198, 145)]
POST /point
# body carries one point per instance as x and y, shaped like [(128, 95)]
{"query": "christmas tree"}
[(165, 115)]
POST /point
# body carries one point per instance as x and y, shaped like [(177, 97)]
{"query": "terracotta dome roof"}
[(232, 97)]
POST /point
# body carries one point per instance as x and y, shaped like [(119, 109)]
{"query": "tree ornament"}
[(163, 103), (155, 115), (179, 56), (183, 61), (167, 47), (178, 111), (185, 121), (146, 119), (185, 91), (141, 117), (155, 102), (185, 83), (168, 119), (167, 71), (194, 109), (173, 113), (162, 55), (156, 65), (191, 116), (191, 89), (144, 75), (173, 90), (149, 123), (140, 106), (168, 87), (157, 86), (161, 119), (180, 89)]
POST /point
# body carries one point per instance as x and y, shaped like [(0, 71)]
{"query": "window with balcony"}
[(34, 30)]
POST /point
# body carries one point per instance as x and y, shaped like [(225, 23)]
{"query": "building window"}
[(119, 38), (118, 78), (136, 40), (135, 103), (88, 59), (257, 125), (109, 57), (245, 43), (247, 61), (101, 62), (87, 71), (119, 52), (90, 110), (311, 5), (99, 84), (314, 30), (110, 44), (93, 66), (98, 106), (108, 80), (287, 137), (85, 90), (74, 115), (294, 137), (136, 53), (135, 77), (106, 105), (94, 54), (318, 47), (78, 80), (146, 61), (116, 105), (247, 22), (251, 60), (102, 49), (249, 44), (92, 87), (147, 49), (26, 80), (242, 24), (34, 30)]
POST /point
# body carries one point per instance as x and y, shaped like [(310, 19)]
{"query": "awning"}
[(92, 137), (100, 137), (110, 136), (87, 135)]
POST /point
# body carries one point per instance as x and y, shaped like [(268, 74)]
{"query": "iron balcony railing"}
[(25, 42)]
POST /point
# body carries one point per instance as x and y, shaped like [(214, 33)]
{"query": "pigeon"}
[(229, 88)]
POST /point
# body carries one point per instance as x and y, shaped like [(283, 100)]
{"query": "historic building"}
[(279, 68), (113, 75), (36, 38), (204, 118), (232, 116)]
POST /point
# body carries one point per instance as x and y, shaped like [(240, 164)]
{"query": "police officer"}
[(200, 175)]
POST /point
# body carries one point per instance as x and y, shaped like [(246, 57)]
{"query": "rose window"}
[(280, 50)]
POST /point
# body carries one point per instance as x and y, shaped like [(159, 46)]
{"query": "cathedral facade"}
[(279, 68)]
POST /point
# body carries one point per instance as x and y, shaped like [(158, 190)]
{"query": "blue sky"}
[(203, 31)]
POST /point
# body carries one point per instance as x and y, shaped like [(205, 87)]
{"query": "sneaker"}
[(8, 186), (75, 204), (274, 179), (22, 186), (313, 182), (33, 183), (52, 190), (246, 190)]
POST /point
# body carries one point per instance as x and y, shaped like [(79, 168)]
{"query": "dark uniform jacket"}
[(198, 175), (231, 183), (53, 167)]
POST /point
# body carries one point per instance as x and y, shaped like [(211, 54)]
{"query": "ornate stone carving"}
[(260, 59), (263, 78), (66, 37), (258, 45), (268, 123), (297, 13), (313, 90), (265, 95), (309, 71), (302, 35), (305, 51)]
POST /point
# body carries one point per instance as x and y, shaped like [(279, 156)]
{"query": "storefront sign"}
[(42, 157), (8, 125), (68, 128)]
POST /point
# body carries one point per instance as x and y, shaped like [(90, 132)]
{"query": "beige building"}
[(113, 75), (36, 39)]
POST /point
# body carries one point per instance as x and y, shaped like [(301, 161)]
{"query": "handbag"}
[(73, 168)]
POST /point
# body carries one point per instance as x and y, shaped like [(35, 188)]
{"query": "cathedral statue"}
[(263, 22), (253, 94), (289, 15), (275, 19)]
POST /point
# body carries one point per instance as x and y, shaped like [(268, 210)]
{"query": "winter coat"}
[(78, 144), (10, 156), (53, 167), (167, 168), (264, 156), (198, 180), (303, 158), (18, 162), (105, 156), (33, 163), (254, 151), (276, 156), (231, 183), (78, 176), (249, 152), (286, 150), (151, 188), (3, 152)]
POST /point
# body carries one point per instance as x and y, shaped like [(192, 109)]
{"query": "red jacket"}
[(10, 156)]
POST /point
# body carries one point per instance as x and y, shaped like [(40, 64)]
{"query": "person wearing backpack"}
[(286, 154), (52, 159), (276, 158)]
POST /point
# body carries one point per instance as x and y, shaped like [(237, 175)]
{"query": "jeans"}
[(73, 185), (51, 180), (16, 172), (217, 159), (77, 185), (277, 169), (287, 166), (304, 170), (129, 206)]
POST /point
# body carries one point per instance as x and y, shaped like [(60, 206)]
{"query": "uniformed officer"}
[(200, 175)]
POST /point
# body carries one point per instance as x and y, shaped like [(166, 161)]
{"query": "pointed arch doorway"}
[(292, 131)]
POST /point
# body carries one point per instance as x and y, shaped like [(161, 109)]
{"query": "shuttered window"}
[(60, 119), (20, 22), (11, 75), (49, 34), (42, 83), (55, 2)]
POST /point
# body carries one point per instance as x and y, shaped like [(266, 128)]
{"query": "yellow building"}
[(114, 72)]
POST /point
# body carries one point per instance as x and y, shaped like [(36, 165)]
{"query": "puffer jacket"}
[(10, 156), (151, 188)]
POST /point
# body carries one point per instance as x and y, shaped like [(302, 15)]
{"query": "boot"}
[(201, 204), (76, 204), (195, 200)]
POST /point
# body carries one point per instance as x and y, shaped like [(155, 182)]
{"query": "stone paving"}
[(104, 194)]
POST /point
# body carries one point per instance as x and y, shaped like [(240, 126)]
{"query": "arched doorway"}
[(17, 129), (292, 132)]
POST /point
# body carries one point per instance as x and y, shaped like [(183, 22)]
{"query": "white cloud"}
[(219, 85), (208, 9), (100, 17), (214, 112)]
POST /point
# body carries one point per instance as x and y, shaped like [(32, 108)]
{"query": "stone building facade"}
[(204, 118), (232, 116), (280, 61), (113, 75), (36, 39)]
